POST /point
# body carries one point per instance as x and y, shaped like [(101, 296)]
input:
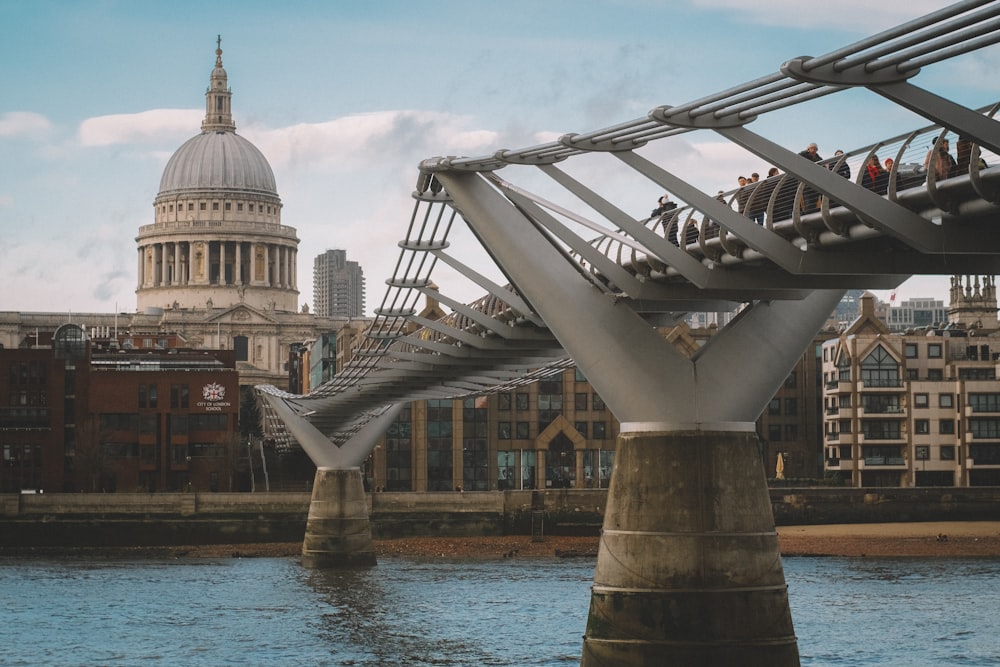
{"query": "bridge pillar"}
[(688, 570), (338, 531)]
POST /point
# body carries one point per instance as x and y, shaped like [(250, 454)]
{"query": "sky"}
[(346, 98)]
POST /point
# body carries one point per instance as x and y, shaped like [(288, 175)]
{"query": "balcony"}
[(893, 410), (881, 383), (882, 462)]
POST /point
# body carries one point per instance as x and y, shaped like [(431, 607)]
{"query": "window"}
[(977, 373), (580, 402), (791, 406), (912, 374), (143, 396), (946, 401), (985, 428), (911, 350), (190, 205), (521, 430), (250, 208), (922, 426), (152, 396), (844, 401), (239, 206), (439, 445), (774, 432), (880, 429), (791, 432), (503, 430), (984, 402), (399, 453), (202, 206), (597, 402), (599, 429), (946, 426), (581, 428), (578, 375), (920, 401), (503, 402), (215, 206), (845, 425), (774, 407), (947, 452), (935, 374), (879, 369), (790, 381), (922, 452), (521, 401), (934, 350), (229, 206), (550, 401)]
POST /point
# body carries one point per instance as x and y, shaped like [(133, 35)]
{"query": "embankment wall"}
[(164, 519)]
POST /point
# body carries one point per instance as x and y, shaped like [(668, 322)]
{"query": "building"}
[(338, 286), (217, 266), (558, 433), (916, 313), (915, 409), (78, 414)]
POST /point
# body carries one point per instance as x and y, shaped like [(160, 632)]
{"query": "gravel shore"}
[(936, 539)]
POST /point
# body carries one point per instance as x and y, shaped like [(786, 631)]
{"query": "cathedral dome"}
[(218, 160)]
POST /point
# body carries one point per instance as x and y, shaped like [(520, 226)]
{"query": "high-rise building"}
[(338, 286)]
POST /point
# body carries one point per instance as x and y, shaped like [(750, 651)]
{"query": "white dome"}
[(218, 160)]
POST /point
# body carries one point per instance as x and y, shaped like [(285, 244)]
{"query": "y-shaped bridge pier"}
[(688, 571)]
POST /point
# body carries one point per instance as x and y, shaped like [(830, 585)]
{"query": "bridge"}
[(688, 570)]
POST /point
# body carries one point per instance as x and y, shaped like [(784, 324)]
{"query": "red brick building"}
[(117, 414)]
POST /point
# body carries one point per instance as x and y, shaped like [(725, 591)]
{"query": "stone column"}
[(161, 251), (688, 569), (238, 272), (177, 277), (338, 532), (140, 273), (222, 263)]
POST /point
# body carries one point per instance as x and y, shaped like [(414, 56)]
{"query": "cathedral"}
[(216, 268)]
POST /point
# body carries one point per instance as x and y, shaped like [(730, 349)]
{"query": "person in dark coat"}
[(810, 198), (874, 177)]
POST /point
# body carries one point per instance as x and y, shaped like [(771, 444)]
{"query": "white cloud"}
[(366, 139), (6, 200), (155, 124), (23, 123)]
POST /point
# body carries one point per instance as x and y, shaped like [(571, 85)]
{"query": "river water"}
[(271, 611)]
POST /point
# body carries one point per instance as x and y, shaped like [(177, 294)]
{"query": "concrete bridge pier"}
[(338, 530), (688, 570)]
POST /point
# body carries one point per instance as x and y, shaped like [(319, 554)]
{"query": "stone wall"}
[(159, 519)]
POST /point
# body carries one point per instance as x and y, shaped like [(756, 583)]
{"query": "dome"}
[(218, 161)]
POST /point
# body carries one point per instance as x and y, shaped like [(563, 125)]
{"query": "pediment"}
[(241, 313)]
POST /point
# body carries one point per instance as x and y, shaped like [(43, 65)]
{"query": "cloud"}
[(23, 124), (6, 200), (857, 15), (145, 126), (365, 139)]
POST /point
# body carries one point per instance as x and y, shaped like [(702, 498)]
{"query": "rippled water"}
[(405, 612)]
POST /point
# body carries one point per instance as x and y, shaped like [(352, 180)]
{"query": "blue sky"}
[(346, 98)]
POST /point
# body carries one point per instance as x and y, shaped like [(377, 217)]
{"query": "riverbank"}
[(928, 539)]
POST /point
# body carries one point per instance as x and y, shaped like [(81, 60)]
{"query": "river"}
[(271, 611)]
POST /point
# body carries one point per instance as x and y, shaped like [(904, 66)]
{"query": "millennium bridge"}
[(688, 569)]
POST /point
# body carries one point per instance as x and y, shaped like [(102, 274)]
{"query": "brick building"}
[(84, 414)]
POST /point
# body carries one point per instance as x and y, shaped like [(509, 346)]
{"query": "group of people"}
[(754, 195)]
